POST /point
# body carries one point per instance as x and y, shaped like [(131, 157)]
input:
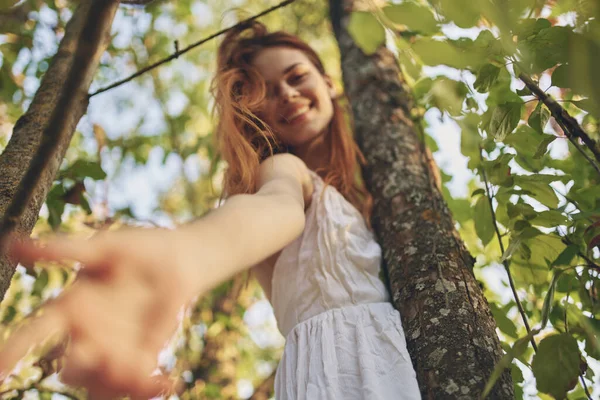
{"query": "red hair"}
[(244, 140)]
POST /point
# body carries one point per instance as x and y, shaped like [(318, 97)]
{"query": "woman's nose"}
[(288, 92)]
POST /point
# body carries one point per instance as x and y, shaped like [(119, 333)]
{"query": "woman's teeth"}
[(298, 113)]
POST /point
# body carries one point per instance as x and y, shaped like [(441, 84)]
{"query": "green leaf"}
[(525, 140), (417, 17), (539, 187), (515, 351), (549, 299), (464, 13), (40, 283), (567, 282), (550, 219), (56, 205), (505, 119), (539, 117), (46, 395), (543, 146), (486, 77), (86, 169), (517, 240), (469, 136), (448, 95), (528, 28), (524, 92), (484, 226), (514, 244), (422, 88), (566, 256), (366, 31), (548, 47), (462, 211), (9, 314), (584, 58), (498, 170), (443, 52), (588, 106), (517, 376), (556, 365), (521, 209), (560, 77), (505, 324)]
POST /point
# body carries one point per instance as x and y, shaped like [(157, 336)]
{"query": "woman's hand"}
[(119, 312)]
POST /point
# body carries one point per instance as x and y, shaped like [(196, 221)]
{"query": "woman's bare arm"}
[(247, 229), (124, 304)]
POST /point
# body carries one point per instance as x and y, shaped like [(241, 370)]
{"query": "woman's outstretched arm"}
[(123, 306), (247, 228)]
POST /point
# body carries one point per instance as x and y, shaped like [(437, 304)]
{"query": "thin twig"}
[(505, 262), (570, 124), (583, 384), (578, 147), (190, 47), (585, 388), (590, 263)]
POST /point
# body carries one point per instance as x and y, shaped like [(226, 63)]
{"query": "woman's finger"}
[(33, 332), (158, 385), (88, 252), (81, 363)]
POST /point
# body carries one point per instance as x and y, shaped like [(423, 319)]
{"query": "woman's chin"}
[(308, 141)]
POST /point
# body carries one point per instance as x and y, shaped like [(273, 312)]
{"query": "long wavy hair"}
[(244, 140)]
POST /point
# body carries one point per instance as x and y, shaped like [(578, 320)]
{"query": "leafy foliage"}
[(540, 184)]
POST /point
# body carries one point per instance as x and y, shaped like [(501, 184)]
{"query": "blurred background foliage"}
[(525, 197)]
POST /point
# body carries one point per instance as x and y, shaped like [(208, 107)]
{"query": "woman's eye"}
[(297, 78)]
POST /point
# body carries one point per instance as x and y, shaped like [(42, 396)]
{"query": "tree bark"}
[(91, 20), (449, 328)]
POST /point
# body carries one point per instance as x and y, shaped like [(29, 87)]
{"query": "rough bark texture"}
[(449, 328), (28, 131)]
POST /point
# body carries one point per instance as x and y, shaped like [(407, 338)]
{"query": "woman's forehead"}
[(274, 62)]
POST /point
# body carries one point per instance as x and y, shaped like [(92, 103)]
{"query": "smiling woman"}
[(344, 340), (264, 83)]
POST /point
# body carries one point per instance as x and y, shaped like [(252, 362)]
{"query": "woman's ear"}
[(332, 92)]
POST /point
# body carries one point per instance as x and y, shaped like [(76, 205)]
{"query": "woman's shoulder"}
[(287, 165)]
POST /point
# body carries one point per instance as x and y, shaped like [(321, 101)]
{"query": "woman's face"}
[(298, 106)]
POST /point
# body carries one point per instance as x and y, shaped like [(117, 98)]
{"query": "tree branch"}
[(505, 262), (445, 316), (573, 141), (42, 135), (87, 44), (190, 47), (569, 124)]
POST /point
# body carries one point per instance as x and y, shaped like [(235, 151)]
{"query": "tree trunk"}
[(449, 329), (91, 20)]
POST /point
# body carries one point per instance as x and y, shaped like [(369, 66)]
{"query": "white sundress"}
[(344, 339)]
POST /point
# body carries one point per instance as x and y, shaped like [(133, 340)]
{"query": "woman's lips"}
[(297, 115)]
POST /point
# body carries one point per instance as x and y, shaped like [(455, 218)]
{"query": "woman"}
[(296, 218)]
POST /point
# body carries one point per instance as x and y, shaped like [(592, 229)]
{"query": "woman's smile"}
[(297, 115)]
